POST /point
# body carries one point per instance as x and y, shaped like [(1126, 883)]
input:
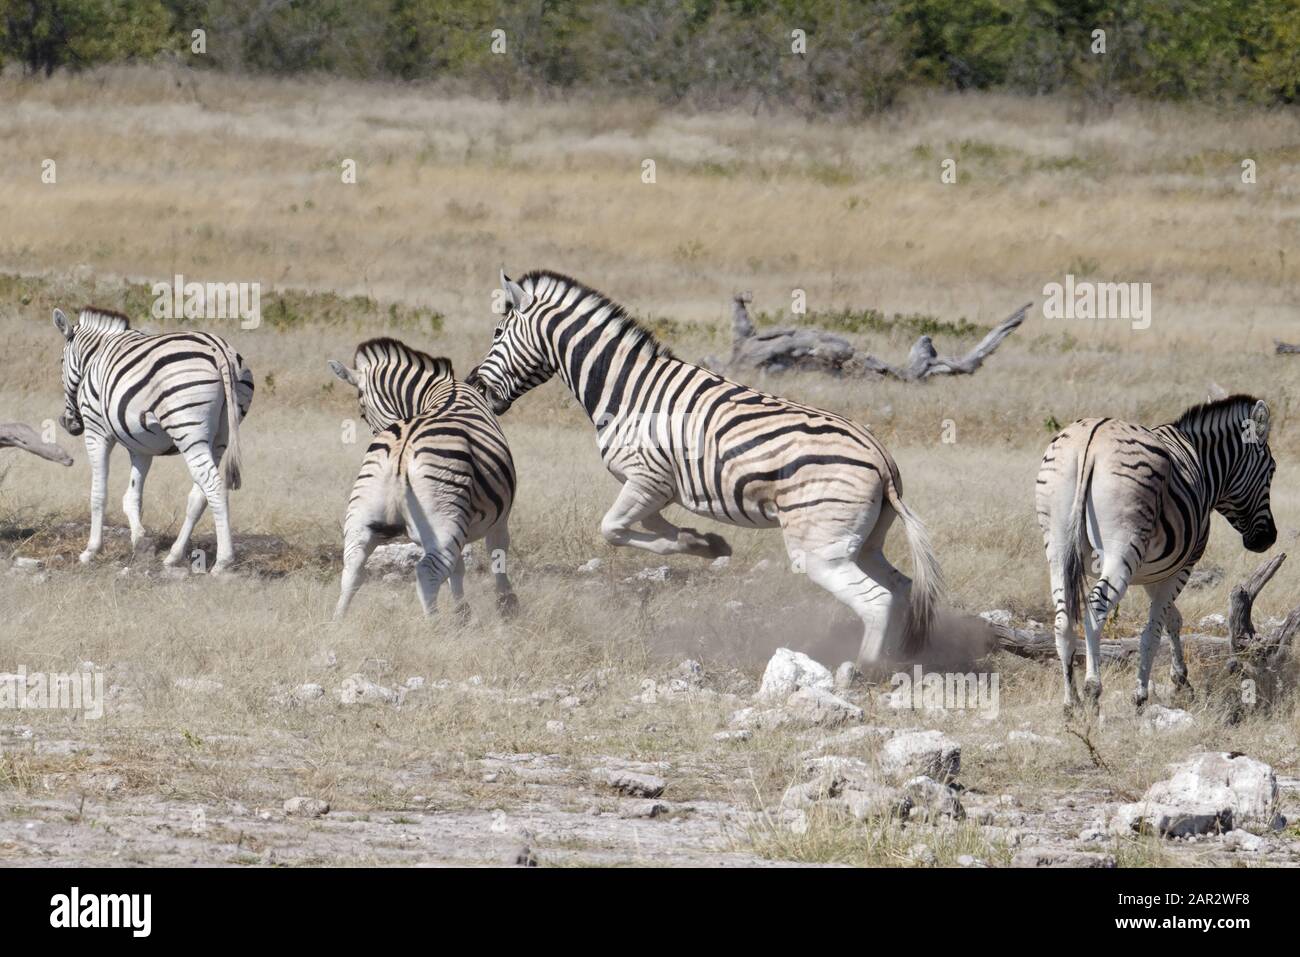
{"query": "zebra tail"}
[(233, 462), (1073, 562), (927, 578)]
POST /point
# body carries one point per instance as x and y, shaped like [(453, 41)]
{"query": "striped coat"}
[(1126, 504), (438, 470), (182, 393), (673, 432)]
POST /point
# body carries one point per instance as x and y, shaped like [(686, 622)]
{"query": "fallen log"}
[(1041, 645), (19, 436), (1285, 348), (816, 350)]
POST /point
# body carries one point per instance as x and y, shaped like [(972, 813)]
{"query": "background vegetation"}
[(860, 54)]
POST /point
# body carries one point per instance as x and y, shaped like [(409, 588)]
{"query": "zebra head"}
[(520, 358), (79, 344), (1243, 500), (393, 381), (71, 418)]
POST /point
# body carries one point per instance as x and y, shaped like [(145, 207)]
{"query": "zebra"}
[(1143, 498), (674, 432), (157, 394), (439, 470)]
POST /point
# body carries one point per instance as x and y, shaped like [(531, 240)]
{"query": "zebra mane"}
[(385, 349), (1198, 413), (102, 320), (640, 334)]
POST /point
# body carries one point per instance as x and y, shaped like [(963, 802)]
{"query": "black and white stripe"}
[(177, 393), (672, 431), (438, 470), (1127, 505)]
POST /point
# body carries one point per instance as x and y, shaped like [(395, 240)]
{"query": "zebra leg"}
[(640, 504), (1163, 594), (207, 476), (1066, 638), (871, 600), (194, 507), (457, 582), (98, 449), (498, 546), (876, 567), (134, 497), (434, 568), (1103, 598), (358, 542), (1177, 664)]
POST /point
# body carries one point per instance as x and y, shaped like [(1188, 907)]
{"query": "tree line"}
[(821, 56)]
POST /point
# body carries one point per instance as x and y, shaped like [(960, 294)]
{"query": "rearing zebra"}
[(671, 432), (1141, 500), (182, 392), (438, 471)]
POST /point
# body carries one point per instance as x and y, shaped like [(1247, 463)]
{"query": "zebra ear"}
[(519, 299), (1259, 415), (344, 373), (63, 325)]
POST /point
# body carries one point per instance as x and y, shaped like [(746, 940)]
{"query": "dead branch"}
[(816, 350), (1285, 348), (1041, 645), (19, 436)]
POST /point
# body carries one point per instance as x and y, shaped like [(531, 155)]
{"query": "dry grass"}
[(228, 179)]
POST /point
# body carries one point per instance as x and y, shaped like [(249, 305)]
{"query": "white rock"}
[(789, 671), (932, 753), (28, 564), (308, 692), (921, 854), (415, 682), (306, 807), (1213, 621), (818, 707), (1157, 717), (932, 799), (999, 616), (722, 561), (1209, 792), (555, 727), (358, 689), (634, 784), (590, 566)]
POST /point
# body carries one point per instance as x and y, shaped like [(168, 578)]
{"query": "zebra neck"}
[(606, 372), (1213, 455)]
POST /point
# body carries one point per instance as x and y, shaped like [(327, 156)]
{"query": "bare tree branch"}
[(19, 436), (819, 351)]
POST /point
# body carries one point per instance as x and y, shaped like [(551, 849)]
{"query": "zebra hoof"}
[(86, 557), (507, 605), (1139, 701)]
